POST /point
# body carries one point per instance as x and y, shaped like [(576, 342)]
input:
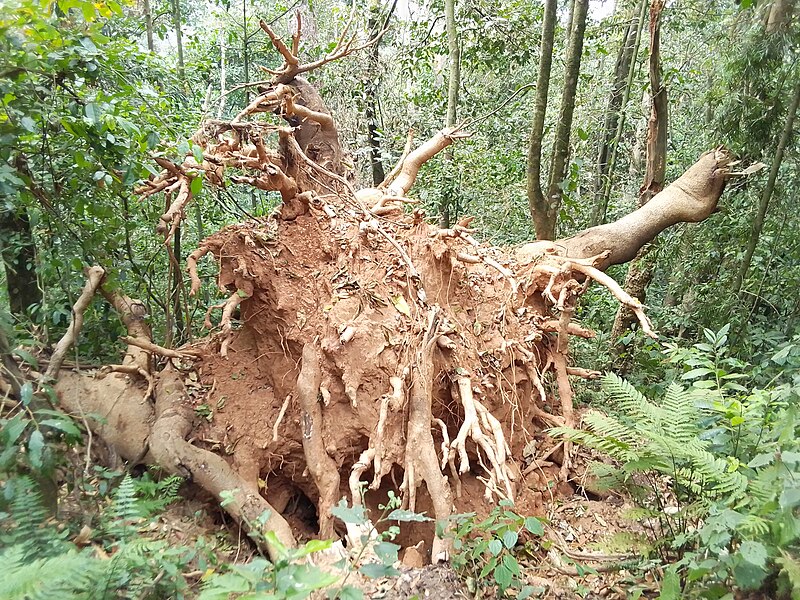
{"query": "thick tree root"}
[(169, 448), (323, 469), (421, 461)]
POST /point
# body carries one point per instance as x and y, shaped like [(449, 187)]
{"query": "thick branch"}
[(168, 445), (691, 198), (413, 162)]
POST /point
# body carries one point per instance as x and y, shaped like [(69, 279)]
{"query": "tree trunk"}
[(536, 201), (148, 25), (689, 199), (371, 110), (223, 72), (779, 15), (19, 257), (766, 196), (640, 271), (615, 117), (546, 221), (454, 81), (176, 21), (245, 53)]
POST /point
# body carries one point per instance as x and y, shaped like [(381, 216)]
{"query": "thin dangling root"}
[(620, 294), (567, 410), (227, 307), (496, 449), (447, 457), (356, 472)]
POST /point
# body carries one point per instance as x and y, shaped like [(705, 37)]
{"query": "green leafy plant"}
[(290, 576), (293, 575), (714, 468), (485, 552)]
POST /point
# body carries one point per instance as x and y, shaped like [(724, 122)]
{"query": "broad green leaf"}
[(36, 448), (316, 546), (91, 112), (790, 497), (510, 539), (387, 552), (28, 124), (495, 547), (347, 592), (64, 425), (11, 430), (790, 458), (354, 515), (753, 552), (511, 564), (152, 140), (503, 576), (534, 525), (26, 394), (375, 570), (761, 459), (407, 516), (670, 586), (695, 373)]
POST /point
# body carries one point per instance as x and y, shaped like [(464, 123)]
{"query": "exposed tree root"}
[(94, 277), (421, 463), (323, 470), (368, 339), (170, 449)]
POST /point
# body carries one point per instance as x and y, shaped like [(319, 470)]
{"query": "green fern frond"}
[(68, 575), (637, 410), (680, 405), (753, 526), (622, 392), (607, 445), (124, 512), (28, 517)]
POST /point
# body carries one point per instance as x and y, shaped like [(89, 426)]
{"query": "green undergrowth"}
[(713, 465)]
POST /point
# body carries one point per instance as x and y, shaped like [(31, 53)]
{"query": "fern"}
[(155, 495), (28, 520), (124, 512), (67, 575)]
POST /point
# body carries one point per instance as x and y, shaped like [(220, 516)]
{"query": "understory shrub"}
[(714, 468)]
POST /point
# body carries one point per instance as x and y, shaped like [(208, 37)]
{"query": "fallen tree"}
[(374, 350)]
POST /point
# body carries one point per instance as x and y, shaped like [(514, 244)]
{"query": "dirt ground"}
[(583, 561)]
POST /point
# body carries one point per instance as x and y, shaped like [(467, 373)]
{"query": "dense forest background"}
[(86, 104), (578, 111)]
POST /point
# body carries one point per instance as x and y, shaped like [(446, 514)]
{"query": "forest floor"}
[(580, 563)]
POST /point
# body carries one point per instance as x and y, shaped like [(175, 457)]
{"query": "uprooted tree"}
[(374, 350)]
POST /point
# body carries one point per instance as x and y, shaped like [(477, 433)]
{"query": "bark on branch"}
[(691, 198)]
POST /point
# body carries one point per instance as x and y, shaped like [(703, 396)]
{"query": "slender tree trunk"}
[(245, 53), (779, 15), (766, 196), (223, 72), (371, 110), (615, 118), (176, 19), (148, 25), (454, 82), (545, 221), (19, 257), (640, 271), (536, 201)]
